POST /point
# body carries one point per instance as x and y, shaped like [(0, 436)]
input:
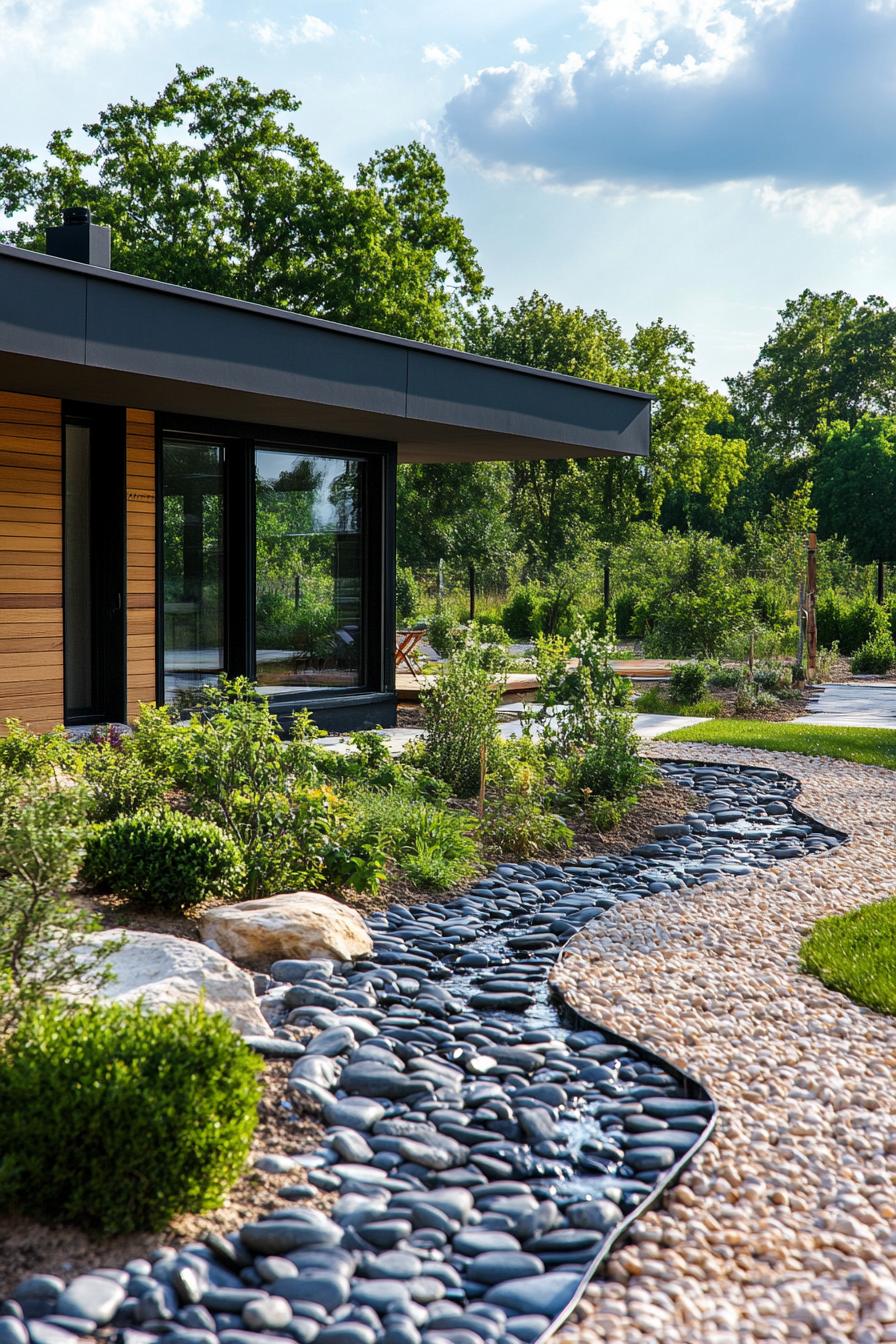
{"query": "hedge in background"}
[(119, 1120), (164, 858)]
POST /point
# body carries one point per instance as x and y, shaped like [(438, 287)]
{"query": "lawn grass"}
[(866, 746), (856, 954)]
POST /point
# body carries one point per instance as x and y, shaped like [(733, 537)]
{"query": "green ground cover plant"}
[(855, 953), (118, 1120), (656, 701), (866, 746)]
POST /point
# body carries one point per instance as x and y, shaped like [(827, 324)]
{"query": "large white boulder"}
[(298, 924), (161, 970)]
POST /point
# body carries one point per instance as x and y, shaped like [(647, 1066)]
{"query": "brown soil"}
[(410, 716), (659, 804), (287, 1125)]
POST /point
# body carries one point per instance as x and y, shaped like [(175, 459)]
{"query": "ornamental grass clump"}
[(117, 1120)]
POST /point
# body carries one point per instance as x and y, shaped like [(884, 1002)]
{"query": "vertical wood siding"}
[(141, 559), (31, 666)]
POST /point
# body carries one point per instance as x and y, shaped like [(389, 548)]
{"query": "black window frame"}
[(108, 582), (240, 441)]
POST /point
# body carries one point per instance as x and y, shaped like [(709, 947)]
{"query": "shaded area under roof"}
[(89, 334)]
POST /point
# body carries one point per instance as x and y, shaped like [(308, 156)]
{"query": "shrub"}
[(726, 678), (429, 843), (610, 768), (121, 780), (25, 753), (849, 624), (119, 1120), (408, 599), (623, 614), (773, 677), (877, 654), (751, 697), (443, 633), (688, 683), (517, 817), (459, 720), (164, 859), (574, 696), (41, 837), (522, 615), (654, 702)]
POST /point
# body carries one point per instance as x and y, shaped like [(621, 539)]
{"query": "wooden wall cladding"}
[(141, 559), (31, 659)]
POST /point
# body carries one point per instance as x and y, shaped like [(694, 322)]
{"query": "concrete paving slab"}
[(852, 705)]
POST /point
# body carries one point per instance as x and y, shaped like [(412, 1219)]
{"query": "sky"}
[(698, 160)]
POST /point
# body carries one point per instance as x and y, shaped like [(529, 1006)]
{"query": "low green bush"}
[(773, 677), (726, 678), (877, 654), (430, 844), (849, 624), (25, 753), (752, 697), (443, 634), (655, 702), (459, 720), (687, 683), (523, 615), (42, 829), (518, 818), (163, 858), (121, 779), (119, 1120)]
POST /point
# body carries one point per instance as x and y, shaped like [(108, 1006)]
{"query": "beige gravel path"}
[(785, 1226)]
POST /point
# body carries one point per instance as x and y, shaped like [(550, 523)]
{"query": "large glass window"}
[(308, 571), (193, 563)]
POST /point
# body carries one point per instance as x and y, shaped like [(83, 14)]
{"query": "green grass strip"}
[(866, 746), (856, 954)]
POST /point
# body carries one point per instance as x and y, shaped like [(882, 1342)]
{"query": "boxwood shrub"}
[(119, 1120), (163, 858)]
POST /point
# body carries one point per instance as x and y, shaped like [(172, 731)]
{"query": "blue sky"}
[(700, 160)]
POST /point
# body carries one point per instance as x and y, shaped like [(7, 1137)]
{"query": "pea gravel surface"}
[(784, 1227)]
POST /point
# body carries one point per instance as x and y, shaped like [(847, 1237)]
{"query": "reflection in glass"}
[(193, 551), (308, 588)]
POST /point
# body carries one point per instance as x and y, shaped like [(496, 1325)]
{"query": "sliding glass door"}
[(308, 571), (264, 564), (192, 564)]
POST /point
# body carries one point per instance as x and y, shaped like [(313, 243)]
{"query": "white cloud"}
[(312, 29), (433, 54), (523, 46), (794, 95), (828, 210), (66, 34), (269, 33)]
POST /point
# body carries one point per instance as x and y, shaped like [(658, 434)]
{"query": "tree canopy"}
[(855, 488), (210, 185)]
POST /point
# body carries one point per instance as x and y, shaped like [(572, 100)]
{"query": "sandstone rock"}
[(297, 924), (161, 970)]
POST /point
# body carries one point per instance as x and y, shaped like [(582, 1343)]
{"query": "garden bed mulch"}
[(31, 1247)]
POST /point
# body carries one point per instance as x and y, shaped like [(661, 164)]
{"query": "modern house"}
[(192, 485)]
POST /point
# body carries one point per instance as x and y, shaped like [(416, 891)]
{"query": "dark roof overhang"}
[(90, 334)]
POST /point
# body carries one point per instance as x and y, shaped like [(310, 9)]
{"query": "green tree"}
[(855, 489), (459, 513), (564, 508), (210, 185), (829, 358)]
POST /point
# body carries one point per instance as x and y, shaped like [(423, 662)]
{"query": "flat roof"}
[(86, 333)]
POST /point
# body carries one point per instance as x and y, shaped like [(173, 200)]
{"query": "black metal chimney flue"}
[(77, 239)]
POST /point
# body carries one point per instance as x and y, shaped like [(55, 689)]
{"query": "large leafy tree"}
[(210, 185), (564, 507), (830, 358), (855, 489)]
